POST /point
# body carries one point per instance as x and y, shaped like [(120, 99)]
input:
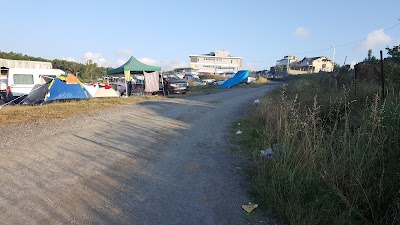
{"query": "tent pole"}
[(126, 88), (162, 83), (143, 85)]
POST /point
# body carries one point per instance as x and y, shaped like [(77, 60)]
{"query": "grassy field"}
[(335, 152), (58, 110)]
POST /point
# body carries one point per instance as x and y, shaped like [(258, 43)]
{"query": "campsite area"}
[(162, 161)]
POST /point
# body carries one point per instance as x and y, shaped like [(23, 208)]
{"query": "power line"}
[(321, 50), (351, 43), (355, 42)]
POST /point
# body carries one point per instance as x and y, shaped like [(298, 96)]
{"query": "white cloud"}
[(71, 59), (175, 63), (95, 57), (123, 52), (151, 62), (375, 38), (301, 32), (120, 62), (250, 66)]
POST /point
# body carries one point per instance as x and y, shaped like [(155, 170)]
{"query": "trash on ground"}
[(238, 124), (239, 132), (257, 101), (249, 207), (267, 153)]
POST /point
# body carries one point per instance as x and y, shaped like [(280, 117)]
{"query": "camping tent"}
[(97, 91), (134, 66), (60, 88)]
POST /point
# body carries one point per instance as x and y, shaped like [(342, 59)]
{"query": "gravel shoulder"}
[(167, 161)]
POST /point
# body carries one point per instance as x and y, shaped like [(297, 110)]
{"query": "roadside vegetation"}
[(261, 80), (333, 150), (61, 110)]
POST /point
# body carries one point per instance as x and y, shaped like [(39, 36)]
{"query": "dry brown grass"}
[(59, 110), (335, 154), (262, 80), (216, 77)]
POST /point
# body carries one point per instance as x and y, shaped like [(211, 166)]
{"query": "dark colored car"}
[(176, 86)]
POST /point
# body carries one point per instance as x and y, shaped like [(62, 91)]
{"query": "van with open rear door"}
[(20, 81)]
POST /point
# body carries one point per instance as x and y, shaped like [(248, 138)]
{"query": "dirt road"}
[(159, 162)]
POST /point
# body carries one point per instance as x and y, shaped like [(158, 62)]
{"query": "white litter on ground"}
[(267, 153)]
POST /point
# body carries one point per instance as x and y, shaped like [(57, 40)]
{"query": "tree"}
[(90, 66), (278, 69), (393, 52), (336, 67), (370, 57)]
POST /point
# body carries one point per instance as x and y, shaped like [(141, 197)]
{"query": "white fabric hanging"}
[(151, 81)]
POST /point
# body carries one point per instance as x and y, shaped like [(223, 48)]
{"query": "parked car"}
[(209, 81), (198, 81), (249, 80), (219, 82), (176, 86)]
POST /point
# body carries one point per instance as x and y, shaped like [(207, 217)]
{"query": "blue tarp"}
[(60, 90), (236, 79)]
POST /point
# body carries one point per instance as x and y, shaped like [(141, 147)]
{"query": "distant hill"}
[(88, 72), (19, 56)]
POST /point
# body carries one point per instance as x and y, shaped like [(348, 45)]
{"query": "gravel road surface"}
[(166, 161)]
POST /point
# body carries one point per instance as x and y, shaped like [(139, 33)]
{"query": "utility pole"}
[(333, 57), (382, 79)]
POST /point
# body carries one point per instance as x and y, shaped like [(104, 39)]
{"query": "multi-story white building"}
[(217, 62), (287, 60)]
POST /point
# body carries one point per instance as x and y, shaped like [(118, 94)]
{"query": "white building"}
[(316, 64), (286, 60), (217, 62)]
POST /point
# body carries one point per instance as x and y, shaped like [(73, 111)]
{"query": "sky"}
[(165, 33)]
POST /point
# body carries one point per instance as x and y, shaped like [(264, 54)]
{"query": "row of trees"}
[(393, 53), (88, 72), (391, 66)]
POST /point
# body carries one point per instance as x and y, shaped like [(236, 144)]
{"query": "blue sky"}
[(166, 32)]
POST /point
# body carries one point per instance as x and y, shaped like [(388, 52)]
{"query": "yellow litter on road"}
[(250, 207)]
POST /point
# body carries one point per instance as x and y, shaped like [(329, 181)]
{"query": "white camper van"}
[(20, 81)]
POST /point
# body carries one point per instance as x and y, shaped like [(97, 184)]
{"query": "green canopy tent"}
[(133, 66)]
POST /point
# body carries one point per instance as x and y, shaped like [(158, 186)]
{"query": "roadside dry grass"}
[(59, 110), (216, 77), (262, 80), (334, 153)]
